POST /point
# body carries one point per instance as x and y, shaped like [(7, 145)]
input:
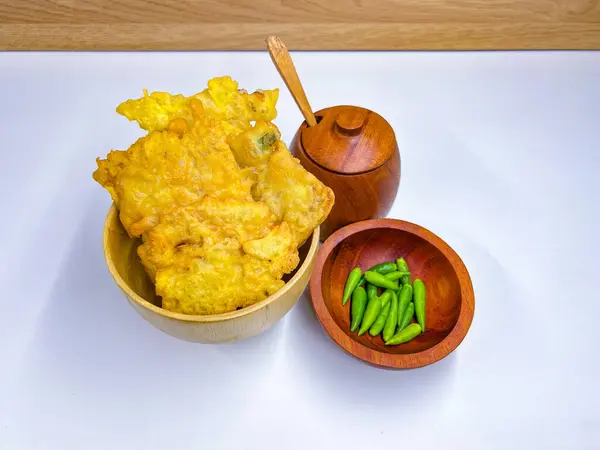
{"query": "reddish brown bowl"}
[(450, 300)]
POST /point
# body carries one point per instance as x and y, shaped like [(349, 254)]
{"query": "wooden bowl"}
[(125, 267), (450, 300)]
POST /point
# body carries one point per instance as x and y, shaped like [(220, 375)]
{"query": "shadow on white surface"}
[(344, 379), (268, 343)]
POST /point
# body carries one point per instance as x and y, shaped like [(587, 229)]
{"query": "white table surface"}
[(500, 157)]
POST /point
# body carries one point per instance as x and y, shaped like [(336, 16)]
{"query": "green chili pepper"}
[(386, 297), (419, 296), (405, 335), (404, 298), (382, 268), (379, 323), (407, 317), (359, 304), (371, 314), (392, 319), (396, 275), (401, 264), (380, 280), (403, 267), (371, 291), (351, 284)]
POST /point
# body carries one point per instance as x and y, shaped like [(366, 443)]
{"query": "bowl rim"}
[(113, 214), (377, 357)]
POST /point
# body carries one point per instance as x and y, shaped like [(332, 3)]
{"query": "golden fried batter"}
[(253, 147), (293, 194), (220, 204), (222, 100), (277, 247)]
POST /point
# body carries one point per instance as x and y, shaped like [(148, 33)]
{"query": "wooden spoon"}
[(285, 66)]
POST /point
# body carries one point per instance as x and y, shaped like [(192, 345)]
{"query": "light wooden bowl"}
[(125, 267), (450, 300)]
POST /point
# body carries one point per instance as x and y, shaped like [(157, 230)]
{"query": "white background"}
[(500, 157)]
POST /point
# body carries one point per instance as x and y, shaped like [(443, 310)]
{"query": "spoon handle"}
[(285, 66)]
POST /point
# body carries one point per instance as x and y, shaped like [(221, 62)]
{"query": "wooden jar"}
[(353, 151)]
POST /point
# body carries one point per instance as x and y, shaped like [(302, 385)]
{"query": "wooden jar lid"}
[(349, 139)]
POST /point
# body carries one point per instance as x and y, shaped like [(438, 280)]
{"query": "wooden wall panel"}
[(303, 24)]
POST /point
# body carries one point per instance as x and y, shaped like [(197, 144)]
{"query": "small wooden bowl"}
[(125, 267), (450, 300)]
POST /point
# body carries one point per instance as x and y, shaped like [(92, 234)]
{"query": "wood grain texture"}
[(450, 301), (349, 140), (362, 169), (285, 66), (126, 269), (302, 24)]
